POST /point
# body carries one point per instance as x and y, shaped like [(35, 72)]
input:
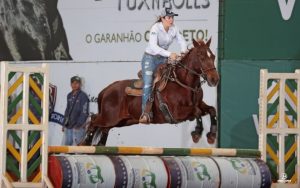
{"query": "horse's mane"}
[(202, 51)]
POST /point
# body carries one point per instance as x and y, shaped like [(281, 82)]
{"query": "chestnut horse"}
[(181, 98)]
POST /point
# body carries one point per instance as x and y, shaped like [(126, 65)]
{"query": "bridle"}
[(203, 73)]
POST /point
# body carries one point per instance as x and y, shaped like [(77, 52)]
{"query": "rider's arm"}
[(181, 41), (153, 40)]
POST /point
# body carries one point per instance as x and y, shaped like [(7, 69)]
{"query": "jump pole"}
[(103, 150)]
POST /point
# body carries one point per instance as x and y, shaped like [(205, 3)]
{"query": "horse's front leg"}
[(212, 134), (196, 134), (191, 112)]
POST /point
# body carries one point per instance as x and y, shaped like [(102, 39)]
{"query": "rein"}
[(175, 79), (191, 71), (202, 74)]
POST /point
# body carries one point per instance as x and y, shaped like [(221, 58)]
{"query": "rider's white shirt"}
[(160, 40)]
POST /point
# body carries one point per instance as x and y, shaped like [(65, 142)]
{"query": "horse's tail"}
[(99, 101)]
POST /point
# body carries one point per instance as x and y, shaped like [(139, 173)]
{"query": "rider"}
[(162, 34)]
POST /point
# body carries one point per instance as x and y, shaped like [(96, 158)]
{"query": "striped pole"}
[(103, 150)]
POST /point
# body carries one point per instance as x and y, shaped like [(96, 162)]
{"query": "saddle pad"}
[(133, 92), (138, 84)]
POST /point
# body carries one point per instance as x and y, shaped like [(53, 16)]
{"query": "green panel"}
[(255, 29), (238, 96)]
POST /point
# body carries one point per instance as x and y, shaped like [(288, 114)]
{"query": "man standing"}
[(76, 113)]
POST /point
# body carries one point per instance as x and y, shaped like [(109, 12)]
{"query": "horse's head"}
[(203, 62)]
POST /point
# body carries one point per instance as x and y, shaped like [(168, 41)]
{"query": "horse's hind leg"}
[(103, 138), (100, 137), (212, 134), (89, 134), (196, 134)]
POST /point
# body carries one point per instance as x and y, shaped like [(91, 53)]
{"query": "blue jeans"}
[(149, 65), (74, 136)]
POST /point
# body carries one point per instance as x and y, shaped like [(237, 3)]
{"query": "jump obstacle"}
[(279, 124), (24, 160)]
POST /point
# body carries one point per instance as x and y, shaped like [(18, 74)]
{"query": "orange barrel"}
[(202, 172), (81, 171), (140, 171), (243, 172)]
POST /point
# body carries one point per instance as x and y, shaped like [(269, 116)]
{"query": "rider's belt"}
[(157, 56)]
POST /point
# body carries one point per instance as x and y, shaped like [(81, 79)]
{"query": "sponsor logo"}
[(283, 179), (142, 5), (201, 171), (54, 116), (93, 98), (242, 167), (52, 97), (94, 173), (286, 8), (148, 179)]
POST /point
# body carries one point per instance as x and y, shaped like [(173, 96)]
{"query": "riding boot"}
[(146, 117)]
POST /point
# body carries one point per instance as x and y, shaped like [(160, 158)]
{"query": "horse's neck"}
[(185, 76)]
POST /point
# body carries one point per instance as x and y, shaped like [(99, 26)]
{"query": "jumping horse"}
[(177, 97)]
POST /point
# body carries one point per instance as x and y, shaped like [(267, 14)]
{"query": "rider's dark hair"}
[(159, 19)]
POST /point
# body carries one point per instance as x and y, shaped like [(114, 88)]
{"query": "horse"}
[(32, 30), (180, 98)]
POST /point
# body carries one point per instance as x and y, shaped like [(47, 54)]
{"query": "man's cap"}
[(167, 12), (76, 78)]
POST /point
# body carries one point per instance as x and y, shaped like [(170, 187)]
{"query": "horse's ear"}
[(208, 42), (195, 43)]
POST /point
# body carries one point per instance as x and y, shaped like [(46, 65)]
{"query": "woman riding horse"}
[(162, 34), (179, 99)]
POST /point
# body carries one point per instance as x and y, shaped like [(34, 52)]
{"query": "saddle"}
[(160, 81)]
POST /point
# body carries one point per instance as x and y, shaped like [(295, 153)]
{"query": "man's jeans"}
[(149, 65), (74, 136)]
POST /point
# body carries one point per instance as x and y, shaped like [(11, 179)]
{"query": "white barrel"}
[(202, 172), (85, 171), (149, 171), (141, 171), (243, 172)]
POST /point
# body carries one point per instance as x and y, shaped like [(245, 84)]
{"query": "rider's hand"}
[(173, 56)]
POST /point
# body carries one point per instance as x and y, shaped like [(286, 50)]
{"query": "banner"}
[(111, 34), (118, 30)]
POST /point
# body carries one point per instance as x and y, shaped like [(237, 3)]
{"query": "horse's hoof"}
[(211, 137), (195, 136)]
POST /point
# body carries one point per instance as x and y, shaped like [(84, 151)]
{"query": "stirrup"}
[(145, 118)]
